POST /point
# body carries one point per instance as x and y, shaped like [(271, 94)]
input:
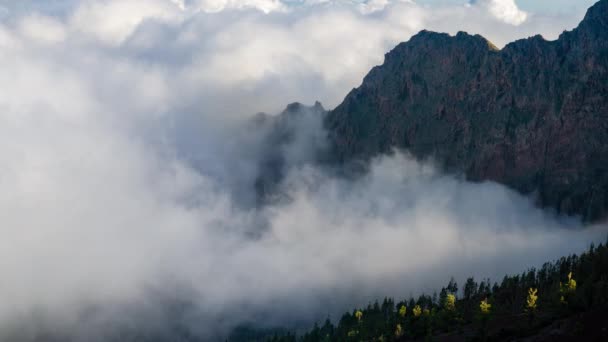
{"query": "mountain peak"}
[(599, 11), (432, 36), (531, 116), (297, 107), (596, 19)]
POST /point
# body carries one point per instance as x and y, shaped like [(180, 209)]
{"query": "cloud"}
[(114, 21), (42, 29), (129, 158), (505, 10)]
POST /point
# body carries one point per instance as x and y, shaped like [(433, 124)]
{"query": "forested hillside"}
[(563, 300)]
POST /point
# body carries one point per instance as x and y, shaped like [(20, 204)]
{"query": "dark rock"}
[(293, 137), (532, 116)]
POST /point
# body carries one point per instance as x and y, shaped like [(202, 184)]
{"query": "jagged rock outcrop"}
[(292, 138), (532, 116)]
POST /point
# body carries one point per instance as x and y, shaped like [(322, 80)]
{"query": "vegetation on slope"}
[(562, 300)]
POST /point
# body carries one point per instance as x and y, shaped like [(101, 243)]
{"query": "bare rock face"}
[(532, 116), (292, 138)]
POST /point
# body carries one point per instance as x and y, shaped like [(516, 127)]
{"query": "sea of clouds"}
[(128, 158)]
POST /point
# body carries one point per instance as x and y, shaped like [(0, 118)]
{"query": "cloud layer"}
[(505, 10), (129, 158)]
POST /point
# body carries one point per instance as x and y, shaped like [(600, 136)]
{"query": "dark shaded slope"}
[(532, 116)]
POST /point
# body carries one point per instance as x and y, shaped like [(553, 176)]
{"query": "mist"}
[(130, 150)]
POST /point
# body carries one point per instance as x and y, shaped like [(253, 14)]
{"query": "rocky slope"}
[(532, 116), (292, 138)]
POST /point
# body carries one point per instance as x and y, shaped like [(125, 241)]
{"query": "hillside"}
[(565, 300)]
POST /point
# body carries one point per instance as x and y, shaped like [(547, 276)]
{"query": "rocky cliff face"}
[(532, 116), (292, 138)]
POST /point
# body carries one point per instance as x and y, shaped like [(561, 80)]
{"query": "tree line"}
[(480, 310)]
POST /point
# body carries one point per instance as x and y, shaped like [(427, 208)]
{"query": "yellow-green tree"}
[(567, 289), (450, 302), (402, 311), (571, 283), (359, 315), (485, 307), (417, 311), (399, 331), (532, 299), (531, 304)]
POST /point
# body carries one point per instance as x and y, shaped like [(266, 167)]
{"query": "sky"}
[(527, 5), (357, 33), (129, 154), (543, 6)]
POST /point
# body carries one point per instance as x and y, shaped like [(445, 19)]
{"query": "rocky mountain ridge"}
[(532, 116)]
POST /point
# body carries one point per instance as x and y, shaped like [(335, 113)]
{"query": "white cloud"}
[(505, 10), (113, 21), (42, 29), (265, 6)]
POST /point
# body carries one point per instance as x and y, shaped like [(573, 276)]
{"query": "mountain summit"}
[(532, 116)]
